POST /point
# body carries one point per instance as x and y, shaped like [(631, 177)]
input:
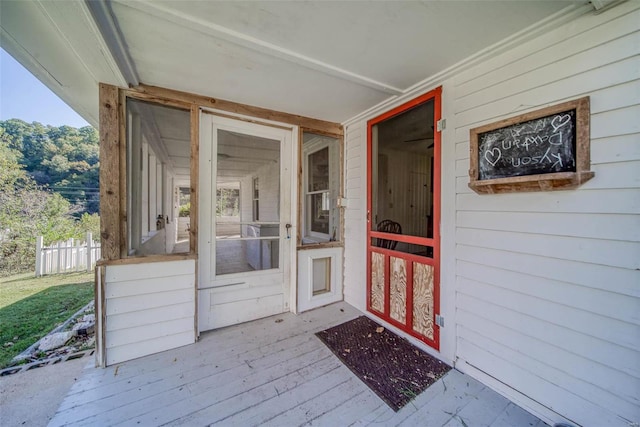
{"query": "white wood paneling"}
[(575, 249), (603, 277), (595, 226), (355, 216), (308, 276), (547, 283), (602, 302), (149, 308), (544, 285), (596, 327)]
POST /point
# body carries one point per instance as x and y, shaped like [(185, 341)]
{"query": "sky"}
[(22, 96)]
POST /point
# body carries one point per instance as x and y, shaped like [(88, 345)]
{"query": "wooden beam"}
[(109, 172), (158, 94)]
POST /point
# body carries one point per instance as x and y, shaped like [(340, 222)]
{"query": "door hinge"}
[(440, 320), (441, 125)]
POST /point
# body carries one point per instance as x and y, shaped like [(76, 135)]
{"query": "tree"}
[(63, 159), (28, 211)]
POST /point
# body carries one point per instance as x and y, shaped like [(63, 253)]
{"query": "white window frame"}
[(308, 233), (255, 201)]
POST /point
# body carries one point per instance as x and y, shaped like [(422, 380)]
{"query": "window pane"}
[(256, 200), (248, 190), (321, 187), (320, 212), (402, 156), (228, 201), (157, 195), (319, 170), (321, 275), (240, 256)]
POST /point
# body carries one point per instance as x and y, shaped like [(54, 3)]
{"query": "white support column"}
[(89, 252), (152, 192), (39, 242), (78, 255), (144, 193), (68, 261), (59, 257)]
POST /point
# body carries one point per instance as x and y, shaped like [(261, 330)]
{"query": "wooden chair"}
[(388, 226)]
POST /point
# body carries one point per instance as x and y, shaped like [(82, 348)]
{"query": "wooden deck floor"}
[(272, 372)]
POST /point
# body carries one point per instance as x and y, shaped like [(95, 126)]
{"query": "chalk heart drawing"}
[(559, 121), (492, 156)]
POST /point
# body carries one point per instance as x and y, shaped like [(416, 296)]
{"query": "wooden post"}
[(89, 251), (109, 172), (39, 241)]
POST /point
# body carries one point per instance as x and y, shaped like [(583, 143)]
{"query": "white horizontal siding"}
[(499, 363), (603, 277), (592, 83), (596, 226), (548, 283), (355, 216), (149, 308), (608, 304), (576, 321), (605, 201), (594, 251)]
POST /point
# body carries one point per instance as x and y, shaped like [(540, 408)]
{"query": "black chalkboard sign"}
[(544, 145), (541, 150)]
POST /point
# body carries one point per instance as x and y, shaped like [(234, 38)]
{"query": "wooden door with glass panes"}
[(245, 221)]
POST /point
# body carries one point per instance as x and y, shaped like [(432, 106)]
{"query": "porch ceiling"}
[(327, 60)]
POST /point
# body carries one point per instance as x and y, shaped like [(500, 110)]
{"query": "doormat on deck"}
[(394, 369)]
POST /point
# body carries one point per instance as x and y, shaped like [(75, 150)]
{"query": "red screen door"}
[(403, 217)]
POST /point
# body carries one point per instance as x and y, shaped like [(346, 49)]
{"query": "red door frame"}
[(436, 95)]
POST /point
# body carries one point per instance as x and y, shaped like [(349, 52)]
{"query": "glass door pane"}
[(402, 178), (247, 205)]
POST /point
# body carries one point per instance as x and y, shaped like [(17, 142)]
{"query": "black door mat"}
[(394, 369)]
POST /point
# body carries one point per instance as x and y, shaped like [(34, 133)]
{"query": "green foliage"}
[(64, 159), (185, 210), (53, 298), (28, 211), (87, 223), (227, 202)]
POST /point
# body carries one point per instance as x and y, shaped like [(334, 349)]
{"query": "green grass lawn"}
[(31, 307)]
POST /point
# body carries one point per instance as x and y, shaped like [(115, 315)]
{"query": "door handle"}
[(288, 227)]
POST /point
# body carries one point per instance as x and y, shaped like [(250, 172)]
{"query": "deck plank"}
[(483, 410), (317, 406), (513, 415), (245, 392), (272, 371), (350, 410), (437, 403), (276, 404)]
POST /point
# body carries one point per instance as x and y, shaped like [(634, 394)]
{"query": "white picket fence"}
[(66, 257)]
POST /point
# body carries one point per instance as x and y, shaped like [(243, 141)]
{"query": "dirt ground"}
[(32, 398)]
